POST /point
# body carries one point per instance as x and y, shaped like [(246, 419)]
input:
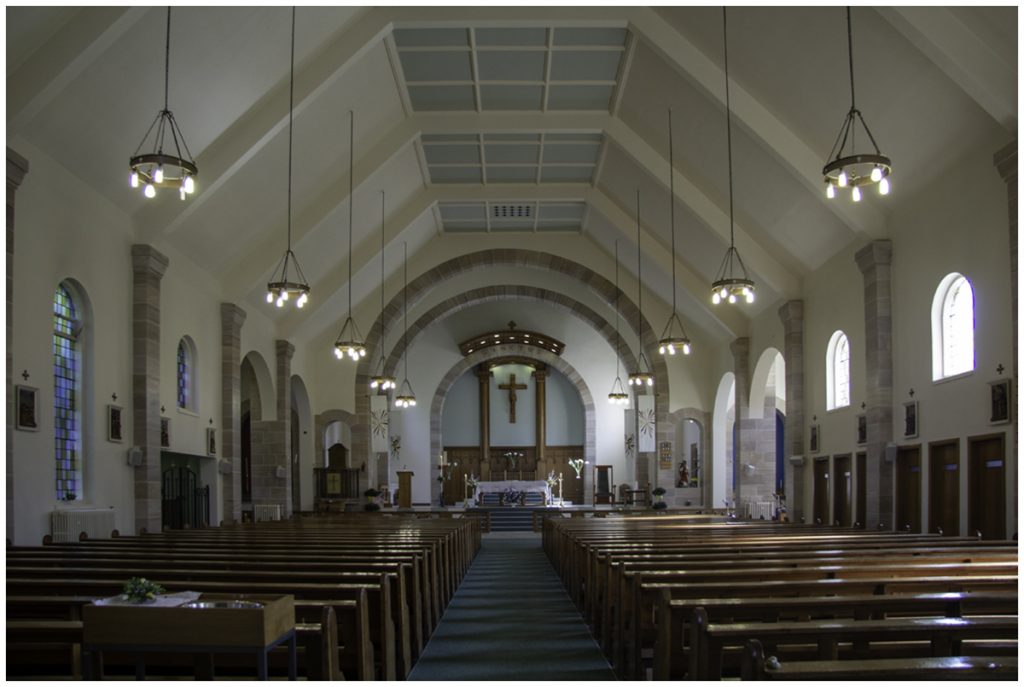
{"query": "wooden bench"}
[(942, 634), (756, 666)]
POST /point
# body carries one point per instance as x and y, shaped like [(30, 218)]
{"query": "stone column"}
[(1006, 163), (17, 168), (148, 267), (231, 319), (792, 316), (744, 446), (875, 263), (483, 374), (285, 351), (541, 376)]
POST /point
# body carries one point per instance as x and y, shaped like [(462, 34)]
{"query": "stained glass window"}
[(66, 377), (837, 372), (182, 374)]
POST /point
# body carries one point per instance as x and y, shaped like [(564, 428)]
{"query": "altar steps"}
[(511, 519), (493, 500)]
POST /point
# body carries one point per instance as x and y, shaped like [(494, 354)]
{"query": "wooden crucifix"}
[(511, 388)]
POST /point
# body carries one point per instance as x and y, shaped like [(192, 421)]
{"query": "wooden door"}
[(944, 487), (842, 491), (862, 489), (986, 486), (821, 491), (908, 489)]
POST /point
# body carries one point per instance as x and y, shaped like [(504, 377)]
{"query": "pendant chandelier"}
[(162, 168), (643, 375), (288, 279), (350, 341), (380, 380), (405, 396), (671, 340), (732, 281), (847, 168), (618, 395)]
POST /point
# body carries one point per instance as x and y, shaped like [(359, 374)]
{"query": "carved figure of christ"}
[(511, 388)]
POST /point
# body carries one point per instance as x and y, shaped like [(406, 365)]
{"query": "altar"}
[(498, 487)]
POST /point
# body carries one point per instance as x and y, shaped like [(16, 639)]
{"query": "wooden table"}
[(202, 631)]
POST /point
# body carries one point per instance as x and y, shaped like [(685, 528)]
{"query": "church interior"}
[(387, 301)]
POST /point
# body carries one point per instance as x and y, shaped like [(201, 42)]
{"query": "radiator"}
[(266, 511), (66, 525), (760, 510)]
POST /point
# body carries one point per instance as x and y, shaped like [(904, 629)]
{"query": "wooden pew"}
[(942, 634), (756, 666)]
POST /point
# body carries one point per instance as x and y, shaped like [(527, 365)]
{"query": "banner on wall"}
[(630, 438), (645, 420), (379, 424)]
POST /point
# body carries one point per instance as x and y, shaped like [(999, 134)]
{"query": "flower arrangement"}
[(551, 479), (473, 481), (577, 465), (140, 590), (512, 496)]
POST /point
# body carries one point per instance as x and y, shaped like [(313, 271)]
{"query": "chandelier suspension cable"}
[(351, 199), (617, 341), (671, 341), (672, 208), (167, 59), (382, 275), (639, 281), (728, 126), (291, 106), (405, 308)]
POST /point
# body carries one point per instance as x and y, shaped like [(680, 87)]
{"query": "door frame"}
[(932, 521)]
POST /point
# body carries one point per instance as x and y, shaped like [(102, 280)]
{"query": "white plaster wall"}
[(460, 417), (564, 415)]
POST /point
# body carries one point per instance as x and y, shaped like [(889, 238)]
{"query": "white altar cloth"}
[(519, 485)]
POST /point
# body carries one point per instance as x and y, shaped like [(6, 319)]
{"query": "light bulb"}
[(270, 297), (732, 298), (842, 178), (284, 295), (280, 302), (745, 291), (149, 191), (750, 297), (190, 185), (181, 192), (715, 298), (883, 186), (337, 354), (362, 352), (723, 292), (650, 381), (671, 349), (686, 349), (856, 194), (412, 402), (299, 303), (661, 349), (830, 191), (158, 175), (373, 384), (876, 174), (133, 180)]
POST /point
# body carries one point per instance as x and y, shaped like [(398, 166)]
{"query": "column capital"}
[(17, 168), (792, 314), (540, 374), (876, 253), (1005, 161), (483, 371), (740, 347), (232, 316), (148, 260), (284, 349)]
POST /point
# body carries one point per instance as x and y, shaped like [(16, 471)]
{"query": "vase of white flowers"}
[(577, 465)]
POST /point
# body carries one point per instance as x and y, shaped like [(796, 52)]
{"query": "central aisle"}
[(511, 620)]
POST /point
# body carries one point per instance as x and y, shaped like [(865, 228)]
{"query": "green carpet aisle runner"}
[(511, 620)]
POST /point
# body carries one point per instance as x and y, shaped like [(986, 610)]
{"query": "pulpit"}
[(405, 488)]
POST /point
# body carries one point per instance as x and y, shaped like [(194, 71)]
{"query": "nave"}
[(636, 596)]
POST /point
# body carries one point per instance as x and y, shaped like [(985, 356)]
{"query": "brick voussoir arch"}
[(520, 351), (420, 286)]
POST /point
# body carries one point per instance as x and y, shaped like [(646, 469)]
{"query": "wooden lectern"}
[(405, 488)]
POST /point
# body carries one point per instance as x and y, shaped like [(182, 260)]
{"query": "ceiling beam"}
[(68, 53), (254, 130), (963, 54), (759, 259), (778, 139), (253, 265), (366, 255)]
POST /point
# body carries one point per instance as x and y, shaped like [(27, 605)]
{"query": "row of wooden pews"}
[(368, 588), (704, 597)]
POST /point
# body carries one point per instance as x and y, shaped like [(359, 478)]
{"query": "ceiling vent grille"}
[(512, 211)]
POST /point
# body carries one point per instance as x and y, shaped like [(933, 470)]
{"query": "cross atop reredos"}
[(511, 388)]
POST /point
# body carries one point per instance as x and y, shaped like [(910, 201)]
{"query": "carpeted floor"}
[(511, 620)]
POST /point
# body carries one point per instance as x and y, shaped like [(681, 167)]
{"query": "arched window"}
[(952, 327), (187, 375), (837, 371), (67, 395)]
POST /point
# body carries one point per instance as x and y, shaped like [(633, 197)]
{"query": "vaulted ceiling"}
[(516, 122)]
